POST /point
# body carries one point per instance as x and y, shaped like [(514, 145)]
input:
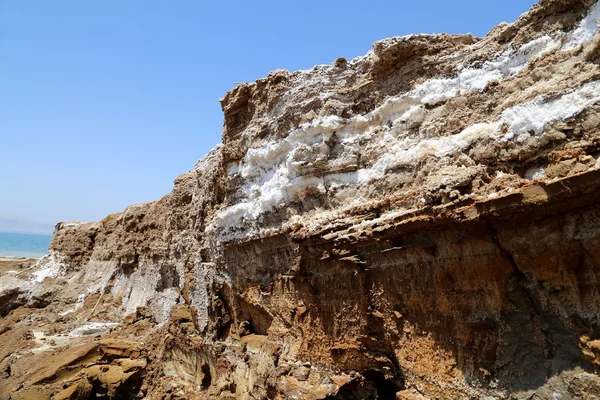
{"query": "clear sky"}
[(103, 103)]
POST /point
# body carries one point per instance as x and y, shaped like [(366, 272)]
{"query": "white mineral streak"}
[(145, 287), (52, 342), (586, 29), (92, 328), (199, 294), (533, 117), (535, 173), (274, 173), (80, 302), (48, 267), (470, 80)]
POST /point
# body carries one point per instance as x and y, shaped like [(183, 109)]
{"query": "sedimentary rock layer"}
[(420, 222)]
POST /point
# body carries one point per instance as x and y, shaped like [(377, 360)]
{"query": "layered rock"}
[(419, 222)]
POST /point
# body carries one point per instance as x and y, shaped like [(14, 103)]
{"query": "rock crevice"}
[(419, 222)]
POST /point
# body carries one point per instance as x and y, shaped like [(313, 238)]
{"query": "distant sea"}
[(23, 245)]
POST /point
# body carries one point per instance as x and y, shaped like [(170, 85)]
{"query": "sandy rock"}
[(419, 222)]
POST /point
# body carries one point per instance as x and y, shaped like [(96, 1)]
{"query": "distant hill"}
[(23, 226)]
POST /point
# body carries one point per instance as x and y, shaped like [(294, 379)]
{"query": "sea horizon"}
[(23, 245)]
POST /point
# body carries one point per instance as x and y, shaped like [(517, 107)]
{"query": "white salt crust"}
[(48, 266), (586, 29), (273, 173)]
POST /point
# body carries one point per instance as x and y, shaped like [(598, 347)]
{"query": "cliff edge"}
[(422, 222)]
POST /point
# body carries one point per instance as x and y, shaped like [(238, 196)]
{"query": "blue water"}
[(23, 245)]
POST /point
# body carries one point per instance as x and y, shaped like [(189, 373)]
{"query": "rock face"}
[(420, 222)]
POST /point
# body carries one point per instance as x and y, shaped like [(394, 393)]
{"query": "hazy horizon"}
[(105, 104), (11, 225)]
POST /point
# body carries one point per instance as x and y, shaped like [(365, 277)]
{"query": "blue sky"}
[(104, 103)]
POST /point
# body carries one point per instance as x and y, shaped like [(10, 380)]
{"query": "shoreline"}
[(8, 264), (19, 258)]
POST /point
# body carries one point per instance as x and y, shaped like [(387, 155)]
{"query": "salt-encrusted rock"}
[(419, 222)]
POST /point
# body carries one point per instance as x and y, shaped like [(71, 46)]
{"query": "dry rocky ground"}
[(422, 222)]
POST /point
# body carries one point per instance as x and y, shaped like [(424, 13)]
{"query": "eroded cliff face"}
[(421, 222)]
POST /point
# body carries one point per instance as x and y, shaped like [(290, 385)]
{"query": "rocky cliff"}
[(422, 222)]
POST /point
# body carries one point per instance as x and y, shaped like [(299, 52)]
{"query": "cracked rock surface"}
[(422, 222)]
